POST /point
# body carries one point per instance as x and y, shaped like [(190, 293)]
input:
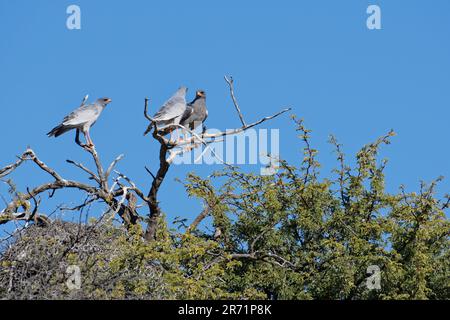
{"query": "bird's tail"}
[(58, 130), (149, 128)]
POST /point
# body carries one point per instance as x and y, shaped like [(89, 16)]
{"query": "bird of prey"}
[(81, 119), (196, 111), (170, 114)]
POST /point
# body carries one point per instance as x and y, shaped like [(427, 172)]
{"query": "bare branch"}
[(192, 146), (120, 203), (8, 169), (81, 206), (133, 187), (82, 167), (149, 172), (230, 82), (155, 211), (146, 111), (206, 210), (233, 131), (112, 165), (194, 141), (98, 164), (30, 153), (34, 214)]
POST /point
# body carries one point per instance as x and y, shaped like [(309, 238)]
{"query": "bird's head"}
[(104, 101), (200, 94), (182, 89)]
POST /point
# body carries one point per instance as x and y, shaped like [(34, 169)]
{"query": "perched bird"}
[(81, 119), (170, 114), (196, 111)]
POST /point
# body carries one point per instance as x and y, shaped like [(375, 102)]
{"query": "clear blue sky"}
[(316, 56)]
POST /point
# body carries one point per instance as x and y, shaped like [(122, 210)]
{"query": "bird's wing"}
[(84, 114), (173, 108), (197, 116), (186, 115)]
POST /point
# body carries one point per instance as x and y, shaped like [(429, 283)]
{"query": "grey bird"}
[(196, 111), (81, 119), (170, 114)]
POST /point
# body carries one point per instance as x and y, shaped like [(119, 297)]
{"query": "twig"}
[(30, 153), (165, 162), (174, 154), (149, 172), (230, 82), (100, 171), (234, 131), (8, 169), (82, 167), (112, 165), (79, 207)]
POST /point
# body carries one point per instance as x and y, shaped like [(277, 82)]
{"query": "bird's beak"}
[(108, 100)]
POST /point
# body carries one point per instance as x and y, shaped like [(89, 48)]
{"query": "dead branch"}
[(166, 157), (9, 168), (232, 131), (230, 82), (112, 165), (82, 167), (100, 192), (205, 212), (100, 171), (122, 196)]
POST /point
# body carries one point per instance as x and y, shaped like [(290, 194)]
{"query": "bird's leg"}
[(90, 144), (179, 133), (171, 136), (77, 139)]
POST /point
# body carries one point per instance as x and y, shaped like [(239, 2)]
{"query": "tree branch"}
[(193, 141), (230, 82), (82, 167)]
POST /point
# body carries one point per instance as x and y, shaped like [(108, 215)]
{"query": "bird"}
[(170, 114), (196, 111), (81, 119)]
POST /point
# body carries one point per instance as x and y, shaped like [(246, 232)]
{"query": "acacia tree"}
[(298, 237)]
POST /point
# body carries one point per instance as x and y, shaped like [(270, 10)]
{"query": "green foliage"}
[(299, 237), (291, 235)]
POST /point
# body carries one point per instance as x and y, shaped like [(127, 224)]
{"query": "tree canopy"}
[(290, 235)]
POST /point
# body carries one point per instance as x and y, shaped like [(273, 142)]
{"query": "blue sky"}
[(316, 56)]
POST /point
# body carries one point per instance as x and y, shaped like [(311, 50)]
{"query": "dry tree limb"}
[(205, 212), (100, 192), (233, 131), (10, 168), (98, 164), (195, 140), (82, 167), (193, 145), (112, 166), (81, 206), (32, 156), (230, 82), (119, 193)]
